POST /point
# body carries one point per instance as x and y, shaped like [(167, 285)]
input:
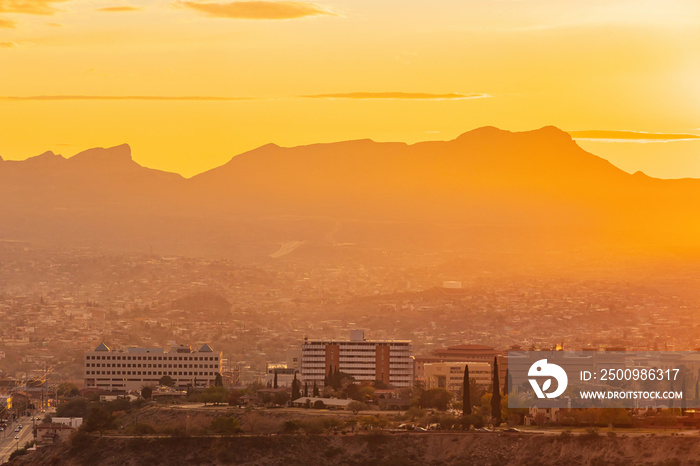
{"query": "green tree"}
[(280, 398), (225, 425), (306, 388), (466, 395), (166, 381), (67, 389), (75, 407), (98, 419), (218, 380), (316, 392), (328, 378), (438, 398), (234, 397), (146, 392), (357, 406), (296, 392), (496, 395), (379, 385), (214, 395), (274, 384)]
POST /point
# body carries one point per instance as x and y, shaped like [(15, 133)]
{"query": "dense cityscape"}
[(55, 305)]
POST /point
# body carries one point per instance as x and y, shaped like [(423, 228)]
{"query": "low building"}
[(461, 353), (137, 367), (311, 402), (450, 375), (547, 411), (283, 374), (74, 422), (53, 432), (113, 397)]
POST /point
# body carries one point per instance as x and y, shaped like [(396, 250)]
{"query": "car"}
[(511, 429), (16, 429), (421, 429)]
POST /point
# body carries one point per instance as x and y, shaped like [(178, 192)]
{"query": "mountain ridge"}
[(487, 188)]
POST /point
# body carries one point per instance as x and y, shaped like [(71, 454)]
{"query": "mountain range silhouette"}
[(487, 190)]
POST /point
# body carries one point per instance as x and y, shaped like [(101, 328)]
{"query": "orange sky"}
[(191, 83)]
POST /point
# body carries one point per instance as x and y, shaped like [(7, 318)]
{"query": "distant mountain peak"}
[(546, 134), (553, 132), (48, 158), (482, 132), (100, 157)]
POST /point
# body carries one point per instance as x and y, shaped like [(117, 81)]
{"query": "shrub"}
[(80, 441), (472, 420), (225, 425), (140, 428), (356, 407), (16, 453), (314, 427), (291, 425)]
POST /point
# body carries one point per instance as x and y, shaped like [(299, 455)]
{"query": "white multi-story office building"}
[(388, 361), (137, 367)]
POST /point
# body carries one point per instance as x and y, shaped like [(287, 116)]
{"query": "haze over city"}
[(276, 232)]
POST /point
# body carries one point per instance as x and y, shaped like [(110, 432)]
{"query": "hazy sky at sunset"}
[(188, 84)]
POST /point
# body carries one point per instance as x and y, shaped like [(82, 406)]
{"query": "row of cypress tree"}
[(495, 394)]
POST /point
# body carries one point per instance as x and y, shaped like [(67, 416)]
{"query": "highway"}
[(8, 443)]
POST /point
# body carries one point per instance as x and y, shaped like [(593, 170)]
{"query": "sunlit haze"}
[(189, 84)]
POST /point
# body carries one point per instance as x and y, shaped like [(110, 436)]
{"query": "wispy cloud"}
[(118, 9), (397, 96), (30, 7), (120, 97), (7, 23), (257, 9), (629, 136), (7, 45)]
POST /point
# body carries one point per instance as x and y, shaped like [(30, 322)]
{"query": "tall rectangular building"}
[(388, 361), (137, 367)]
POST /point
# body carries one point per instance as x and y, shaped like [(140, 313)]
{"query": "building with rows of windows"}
[(388, 361), (137, 367), (450, 375)]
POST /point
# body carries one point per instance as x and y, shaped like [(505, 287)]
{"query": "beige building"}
[(450, 375), (137, 367), (53, 432)]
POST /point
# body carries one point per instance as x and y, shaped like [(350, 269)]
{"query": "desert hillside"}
[(370, 449)]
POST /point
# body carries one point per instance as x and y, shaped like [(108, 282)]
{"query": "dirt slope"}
[(385, 449)]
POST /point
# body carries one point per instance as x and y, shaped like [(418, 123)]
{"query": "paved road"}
[(8, 444)]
